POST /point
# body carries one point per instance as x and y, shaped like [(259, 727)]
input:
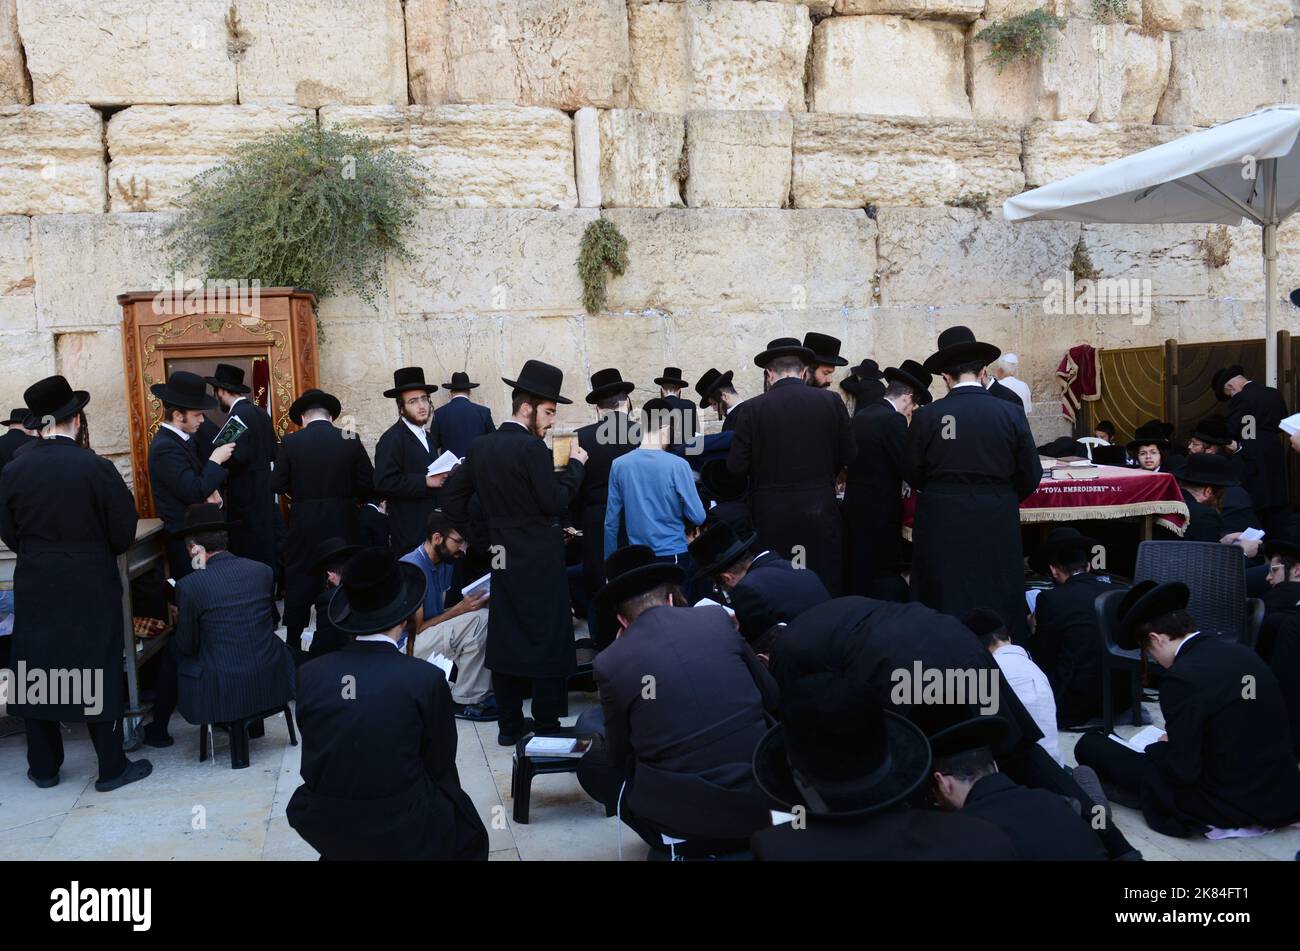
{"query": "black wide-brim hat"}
[(313, 399), (186, 390), (1146, 601), (52, 398), (1223, 376), (987, 732), (331, 551), (868, 369), (1062, 446), (227, 377), (710, 382), (720, 482), (609, 383), (1212, 430), (377, 592), (784, 347), (459, 381), (408, 378), (825, 348), (1061, 543), (672, 377), (17, 416), (914, 375), (203, 517), (1151, 433), (717, 547), (1201, 468), (633, 570), (540, 379), (958, 345), (1283, 548)]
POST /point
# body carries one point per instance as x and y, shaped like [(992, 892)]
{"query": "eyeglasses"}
[(417, 400)]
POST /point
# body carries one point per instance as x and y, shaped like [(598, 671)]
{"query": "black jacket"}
[(897, 835), (178, 478), (458, 424), (873, 500), (772, 591), (1006, 393), (379, 765), (250, 500), (1263, 457), (9, 443), (684, 433), (1067, 646), (373, 526), (1204, 524), (1042, 825), (401, 466), (325, 472)]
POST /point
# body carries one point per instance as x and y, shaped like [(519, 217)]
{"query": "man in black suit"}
[(16, 435), (67, 514), (873, 492), (1226, 759), (402, 458), (530, 620), (865, 383), (328, 561), (972, 459), (178, 476), (763, 588), (826, 359), (685, 701), (250, 500), (325, 471), (378, 736), (1211, 438), (685, 425), (1003, 392), (1203, 479), (1254, 412), (793, 441), (461, 420)]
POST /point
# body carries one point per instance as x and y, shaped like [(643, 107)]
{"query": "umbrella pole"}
[(1270, 295)]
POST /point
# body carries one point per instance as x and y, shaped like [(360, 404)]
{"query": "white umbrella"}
[(1244, 170)]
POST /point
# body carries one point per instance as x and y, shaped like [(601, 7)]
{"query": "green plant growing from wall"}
[(1081, 265), (305, 207), (1020, 38), (603, 250), (1110, 11)]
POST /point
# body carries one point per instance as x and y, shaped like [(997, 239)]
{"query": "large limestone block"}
[(128, 51), (1004, 9), (446, 343), (818, 8), (733, 55), (477, 156), (640, 345), (51, 160), (554, 340), (157, 150), (492, 261), (888, 65), (1057, 150), (956, 10), (1221, 74), (851, 161), (357, 360), (741, 259), (738, 159), (92, 361), (1133, 75), (17, 276), (946, 256), (1177, 15), (561, 53), (28, 357), (428, 28), (14, 86), (311, 53), (1171, 257), (637, 158)]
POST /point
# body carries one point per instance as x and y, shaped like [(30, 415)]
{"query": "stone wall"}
[(776, 167)]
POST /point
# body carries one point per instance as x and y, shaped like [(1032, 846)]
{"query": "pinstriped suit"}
[(231, 664)]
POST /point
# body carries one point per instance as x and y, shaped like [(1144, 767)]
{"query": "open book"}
[(234, 428), (1290, 425), (1140, 740), (480, 587), (444, 463)]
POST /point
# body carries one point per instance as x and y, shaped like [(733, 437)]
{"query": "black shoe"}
[(510, 739), (485, 711), (135, 770), (44, 783)]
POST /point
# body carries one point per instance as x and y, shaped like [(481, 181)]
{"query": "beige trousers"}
[(464, 640)]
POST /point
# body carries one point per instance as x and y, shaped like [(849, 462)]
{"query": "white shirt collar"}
[(376, 637), (236, 400), (969, 383), (727, 409), (1183, 642), (419, 432), (459, 396), (185, 437)]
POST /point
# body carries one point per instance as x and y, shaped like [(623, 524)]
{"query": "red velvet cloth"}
[(1079, 374), (262, 383)]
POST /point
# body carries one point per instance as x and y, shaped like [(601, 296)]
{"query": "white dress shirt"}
[(1035, 692), (1021, 389), (420, 434)]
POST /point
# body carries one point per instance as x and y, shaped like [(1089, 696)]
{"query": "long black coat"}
[(604, 442), (684, 432), (530, 621), (9, 443), (179, 478), (792, 442), (873, 500), (1067, 646), (379, 764), (401, 466), (67, 515), (458, 424), (897, 835), (1263, 458), (1041, 824), (250, 500), (772, 591), (971, 458)]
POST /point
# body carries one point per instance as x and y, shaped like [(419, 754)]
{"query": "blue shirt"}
[(438, 576), (654, 493)]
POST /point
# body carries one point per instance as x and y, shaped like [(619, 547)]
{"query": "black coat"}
[(1204, 524), (1238, 511), (1067, 646), (897, 835), (373, 526), (250, 500), (326, 637), (1042, 825), (203, 438), (1006, 393), (458, 424), (401, 467), (379, 765), (604, 442), (67, 515), (873, 499), (792, 442), (179, 478), (692, 738), (9, 443), (530, 621), (971, 458), (1263, 457), (231, 663), (684, 434), (772, 591)]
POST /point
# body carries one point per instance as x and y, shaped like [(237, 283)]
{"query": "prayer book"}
[(442, 663), (234, 428), (1290, 425), (1140, 740), (710, 603), (481, 586), (444, 463), (571, 746), (1252, 534)]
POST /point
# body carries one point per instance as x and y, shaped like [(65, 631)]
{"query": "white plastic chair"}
[(1089, 441)]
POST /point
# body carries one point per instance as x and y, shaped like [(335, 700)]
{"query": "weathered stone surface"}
[(742, 259), (311, 53), (1221, 74), (127, 52), (51, 160), (557, 341), (478, 156), (888, 65), (357, 359), (28, 356), (639, 159), (586, 156), (738, 159), (1171, 257), (957, 10), (1177, 15), (17, 276), (735, 55), (14, 87), (1083, 9), (445, 343), (815, 7), (428, 31), (1057, 150), (1134, 72), (851, 161), (156, 150), (561, 53), (92, 360), (640, 345)]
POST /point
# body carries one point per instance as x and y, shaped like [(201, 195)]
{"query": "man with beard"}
[(826, 359), (530, 623), (250, 500), (716, 391), (793, 441), (402, 458)]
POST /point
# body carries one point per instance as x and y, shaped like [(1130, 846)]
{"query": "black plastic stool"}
[(525, 767), (239, 735)]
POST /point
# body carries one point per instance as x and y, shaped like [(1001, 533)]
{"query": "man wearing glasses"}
[(402, 458)]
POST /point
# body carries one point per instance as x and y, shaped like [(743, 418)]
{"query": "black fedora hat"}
[(1221, 377), (720, 482), (717, 548), (409, 378), (969, 735), (825, 348), (459, 381), (712, 380), (52, 399), (376, 593), (1151, 433), (186, 390), (1144, 602), (868, 369), (783, 347), (1203, 469), (633, 570), (540, 379), (227, 377), (332, 551), (853, 385), (672, 377), (913, 374), (958, 345), (1284, 549), (313, 399), (1062, 446), (202, 517), (1212, 430), (17, 417), (1061, 543), (607, 383)]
